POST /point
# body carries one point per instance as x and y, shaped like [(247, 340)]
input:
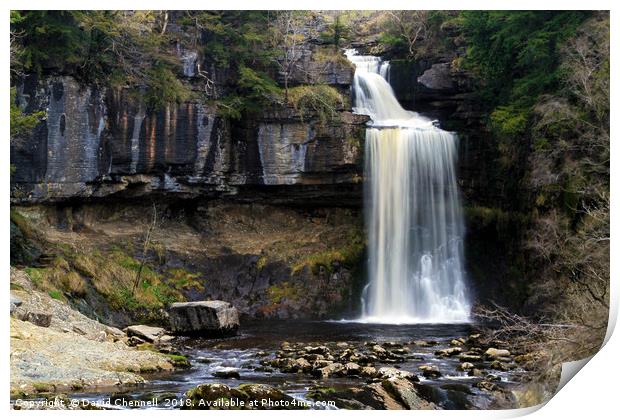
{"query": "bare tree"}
[(410, 25), (145, 247), (287, 39)]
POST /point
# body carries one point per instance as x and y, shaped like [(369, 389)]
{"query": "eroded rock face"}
[(205, 318), (96, 143)]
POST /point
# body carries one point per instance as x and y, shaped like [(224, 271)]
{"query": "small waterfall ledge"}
[(413, 210)]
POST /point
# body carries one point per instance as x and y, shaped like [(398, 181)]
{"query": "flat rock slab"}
[(150, 334), (210, 318)]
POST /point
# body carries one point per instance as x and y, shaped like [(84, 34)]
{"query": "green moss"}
[(261, 263), (55, 294), (320, 100), (42, 387), (178, 360), (278, 292), (349, 255)]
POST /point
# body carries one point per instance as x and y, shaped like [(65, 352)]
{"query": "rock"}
[(113, 331), (497, 365), (390, 372), (430, 371), (368, 372), (66, 360), (493, 353), (208, 318), (219, 396), (457, 343), (329, 370), (342, 344), (302, 365), (164, 339), (466, 366), (15, 303), (135, 341), (486, 386), (145, 332), (437, 77), (377, 349), (323, 350), (352, 368), (260, 392), (404, 391), (472, 358), (41, 319), (452, 351), (227, 374)]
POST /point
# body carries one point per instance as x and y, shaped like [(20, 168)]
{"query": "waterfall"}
[(413, 210)]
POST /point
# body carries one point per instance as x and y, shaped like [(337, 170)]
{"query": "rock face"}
[(207, 318), (99, 142)]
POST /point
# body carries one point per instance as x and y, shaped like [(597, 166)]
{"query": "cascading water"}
[(413, 211)]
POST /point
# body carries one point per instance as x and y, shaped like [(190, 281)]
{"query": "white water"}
[(413, 211)]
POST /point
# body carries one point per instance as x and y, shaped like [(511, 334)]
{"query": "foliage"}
[(321, 100), (21, 123), (119, 48), (163, 87), (516, 53)]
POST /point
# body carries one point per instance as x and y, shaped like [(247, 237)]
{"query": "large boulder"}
[(206, 318)]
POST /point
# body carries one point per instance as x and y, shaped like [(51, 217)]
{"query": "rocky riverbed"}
[(59, 354)]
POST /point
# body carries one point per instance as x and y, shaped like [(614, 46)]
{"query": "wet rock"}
[(390, 373), (452, 351), (227, 374), (497, 365), (302, 365), (330, 370), (400, 351), (468, 357), (493, 353), (352, 368), (368, 372), (466, 366), (475, 372), (377, 349), (145, 332), (342, 345), (403, 391), (430, 371), (421, 343), (486, 386), (246, 396), (205, 318), (457, 342), (458, 388), (317, 350)]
